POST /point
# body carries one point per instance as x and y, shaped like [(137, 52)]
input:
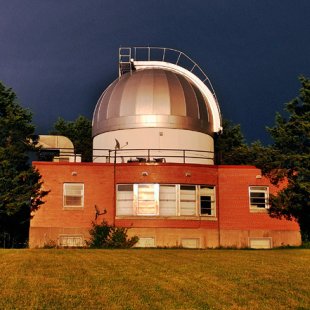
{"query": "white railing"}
[(164, 54), (128, 155), (151, 155)]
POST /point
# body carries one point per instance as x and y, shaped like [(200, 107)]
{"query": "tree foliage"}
[(288, 158), (79, 132), (231, 148), (20, 185)]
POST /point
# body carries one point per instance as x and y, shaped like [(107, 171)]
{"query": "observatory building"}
[(158, 106), (153, 167)]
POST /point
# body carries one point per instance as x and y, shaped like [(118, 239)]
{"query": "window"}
[(137, 199), (145, 242), (190, 243), (259, 197), (207, 200), (71, 240), (147, 199), (260, 243), (187, 200), (124, 199), (168, 200), (73, 195)]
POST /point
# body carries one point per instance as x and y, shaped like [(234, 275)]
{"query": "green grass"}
[(154, 279)]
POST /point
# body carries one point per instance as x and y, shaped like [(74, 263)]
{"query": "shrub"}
[(107, 236), (50, 244)]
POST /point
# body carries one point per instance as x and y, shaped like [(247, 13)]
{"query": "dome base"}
[(155, 145)]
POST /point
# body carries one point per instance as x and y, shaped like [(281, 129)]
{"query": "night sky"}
[(59, 55)]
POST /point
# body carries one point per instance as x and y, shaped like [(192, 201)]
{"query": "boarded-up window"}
[(147, 199), (71, 240), (145, 242), (260, 243), (191, 243), (73, 195)]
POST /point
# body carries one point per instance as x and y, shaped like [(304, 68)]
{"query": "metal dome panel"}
[(152, 98)]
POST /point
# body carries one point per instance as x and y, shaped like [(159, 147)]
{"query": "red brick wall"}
[(234, 213), (98, 190), (232, 186), (232, 191)]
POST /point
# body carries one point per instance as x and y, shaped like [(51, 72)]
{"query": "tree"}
[(230, 146), (20, 185), (79, 132), (288, 158)]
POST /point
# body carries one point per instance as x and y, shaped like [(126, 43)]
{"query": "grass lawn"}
[(154, 279)]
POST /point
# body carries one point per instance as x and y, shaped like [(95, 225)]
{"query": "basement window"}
[(190, 243), (259, 196), (71, 240), (145, 242), (73, 195), (260, 243)]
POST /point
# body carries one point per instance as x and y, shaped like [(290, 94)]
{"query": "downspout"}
[(114, 187), (218, 208)]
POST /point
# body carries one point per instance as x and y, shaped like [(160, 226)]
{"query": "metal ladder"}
[(125, 63)]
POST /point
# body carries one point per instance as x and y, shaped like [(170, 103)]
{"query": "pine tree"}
[(20, 185), (288, 158), (231, 148)]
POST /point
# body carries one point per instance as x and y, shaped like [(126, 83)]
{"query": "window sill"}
[(73, 208), (256, 210)]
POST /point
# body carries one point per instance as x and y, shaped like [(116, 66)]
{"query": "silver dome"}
[(152, 98)]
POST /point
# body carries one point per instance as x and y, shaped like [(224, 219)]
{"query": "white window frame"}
[(255, 190), (164, 198), (65, 192), (128, 198), (187, 200), (138, 210), (212, 200), (155, 200)]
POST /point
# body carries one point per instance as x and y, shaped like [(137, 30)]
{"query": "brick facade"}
[(233, 224)]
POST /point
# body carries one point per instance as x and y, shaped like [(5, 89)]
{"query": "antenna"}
[(117, 145), (98, 212)]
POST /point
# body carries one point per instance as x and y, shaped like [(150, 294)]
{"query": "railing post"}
[(193, 67), (178, 58), (184, 156)]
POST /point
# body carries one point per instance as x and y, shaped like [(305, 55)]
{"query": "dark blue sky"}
[(59, 55)]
